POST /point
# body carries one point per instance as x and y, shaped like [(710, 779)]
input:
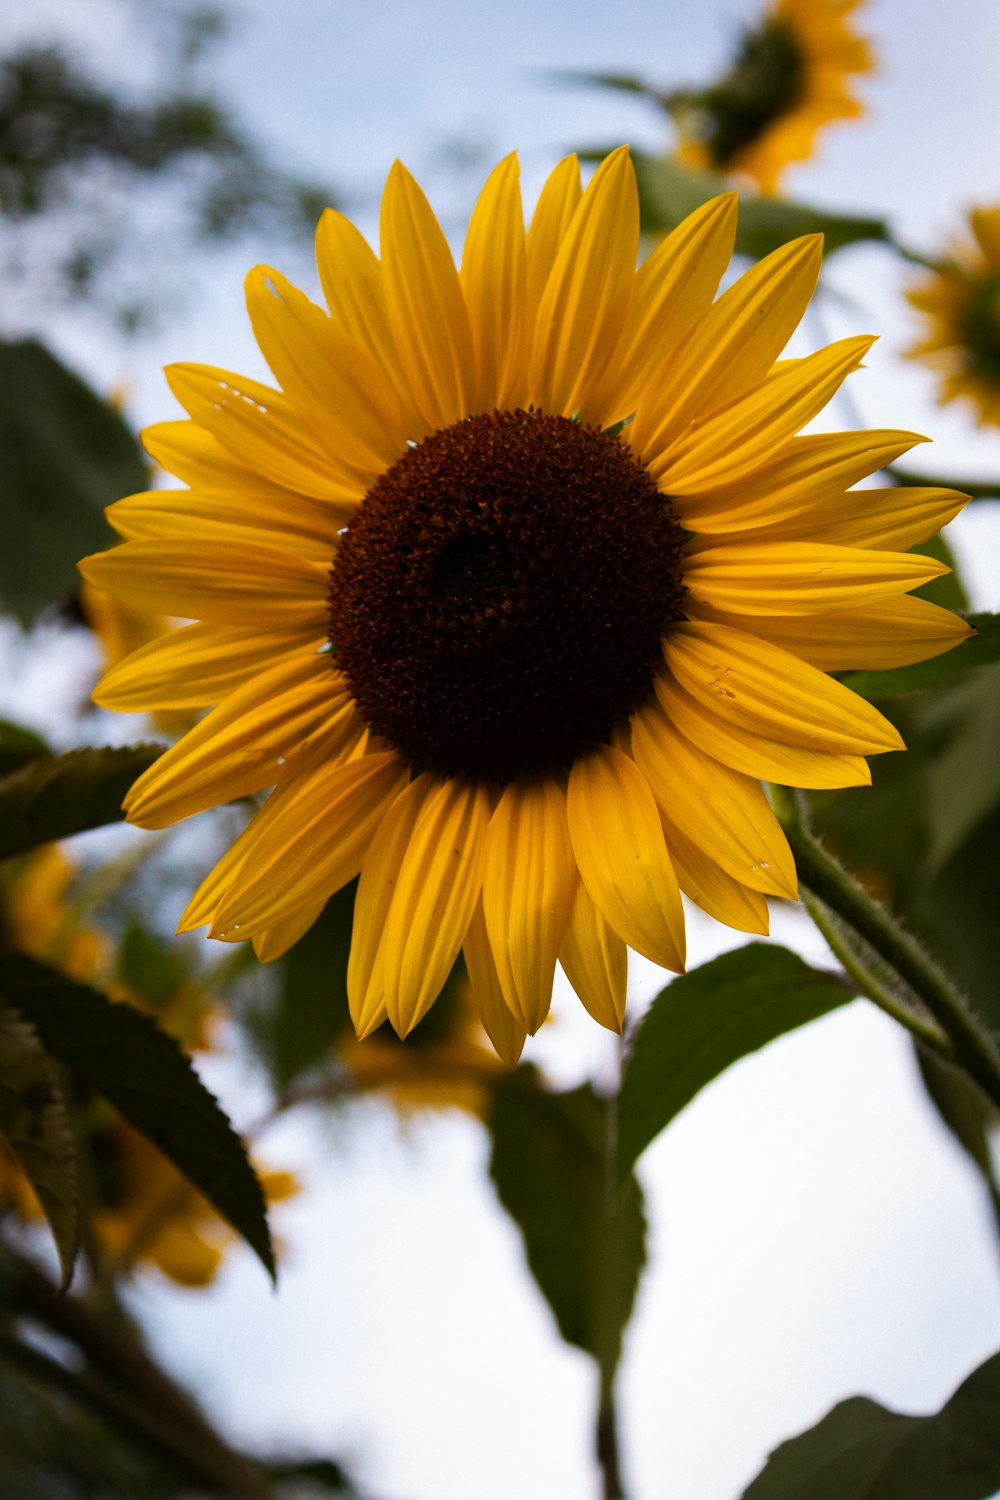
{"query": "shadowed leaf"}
[(53, 796)]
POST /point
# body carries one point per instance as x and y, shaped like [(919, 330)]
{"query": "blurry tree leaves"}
[(863, 1451), (84, 154), (64, 455), (18, 745), (53, 796), (124, 1056), (35, 1123), (704, 1021), (585, 1240)]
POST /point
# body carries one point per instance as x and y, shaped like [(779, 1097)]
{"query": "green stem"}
[(971, 1045), (976, 489), (606, 1437)]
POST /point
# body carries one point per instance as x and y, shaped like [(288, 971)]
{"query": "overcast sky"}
[(813, 1232)]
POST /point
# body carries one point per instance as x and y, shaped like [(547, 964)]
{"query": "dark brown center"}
[(498, 603)]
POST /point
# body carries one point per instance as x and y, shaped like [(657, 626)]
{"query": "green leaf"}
[(980, 650), (54, 796), (669, 192), (863, 1451), (703, 1022), (584, 1241), (64, 455), (123, 1055), (34, 1121), (18, 745), (967, 1113)]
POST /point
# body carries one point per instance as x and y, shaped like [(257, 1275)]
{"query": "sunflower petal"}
[(494, 281), (583, 307), (274, 942), (554, 211), (623, 860), (424, 302), (528, 884), (718, 894), (747, 683), (722, 812), (799, 578), (311, 844), (890, 518), (261, 516), (503, 1029), (437, 886), (595, 961), (195, 666), (263, 733)]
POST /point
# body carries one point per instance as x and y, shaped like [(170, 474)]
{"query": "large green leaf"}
[(980, 650), (703, 1022), (64, 455), (585, 1241), (18, 745), (862, 1451), (53, 796), (34, 1121), (123, 1055)]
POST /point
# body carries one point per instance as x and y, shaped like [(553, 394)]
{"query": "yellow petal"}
[(583, 307), (274, 942), (262, 428), (193, 455), (424, 302), (718, 894), (888, 633), (742, 435), (329, 376), (733, 346), (208, 580), (806, 478), (310, 845), (674, 287), (557, 203), (720, 811), (263, 733), (749, 684), (494, 281), (623, 860), (379, 877), (595, 961), (195, 666), (528, 886), (799, 578), (504, 1031), (438, 884), (891, 518), (314, 524), (757, 754)]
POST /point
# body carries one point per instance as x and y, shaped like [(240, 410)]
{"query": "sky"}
[(814, 1234)]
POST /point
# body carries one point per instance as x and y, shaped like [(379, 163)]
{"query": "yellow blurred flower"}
[(792, 77), (959, 303)]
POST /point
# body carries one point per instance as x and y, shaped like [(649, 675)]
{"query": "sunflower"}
[(960, 307), (511, 593), (790, 79)]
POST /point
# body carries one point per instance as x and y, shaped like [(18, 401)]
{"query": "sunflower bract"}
[(515, 664)]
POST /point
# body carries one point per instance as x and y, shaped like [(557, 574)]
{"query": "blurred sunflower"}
[(791, 78), (511, 593), (960, 307)]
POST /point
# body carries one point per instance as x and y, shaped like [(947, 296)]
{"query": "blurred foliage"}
[(89, 164)]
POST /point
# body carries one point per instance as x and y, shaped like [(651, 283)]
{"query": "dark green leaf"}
[(966, 1112), (123, 1055), (64, 455), (54, 796), (18, 745), (628, 83), (151, 968), (862, 1451), (980, 650), (703, 1022), (669, 192), (34, 1121), (584, 1241)]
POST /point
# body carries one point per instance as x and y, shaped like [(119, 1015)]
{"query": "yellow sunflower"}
[(791, 78), (512, 591), (960, 304)]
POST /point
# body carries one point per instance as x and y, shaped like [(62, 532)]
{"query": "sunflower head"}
[(959, 306), (511, 590), (790, 78)]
